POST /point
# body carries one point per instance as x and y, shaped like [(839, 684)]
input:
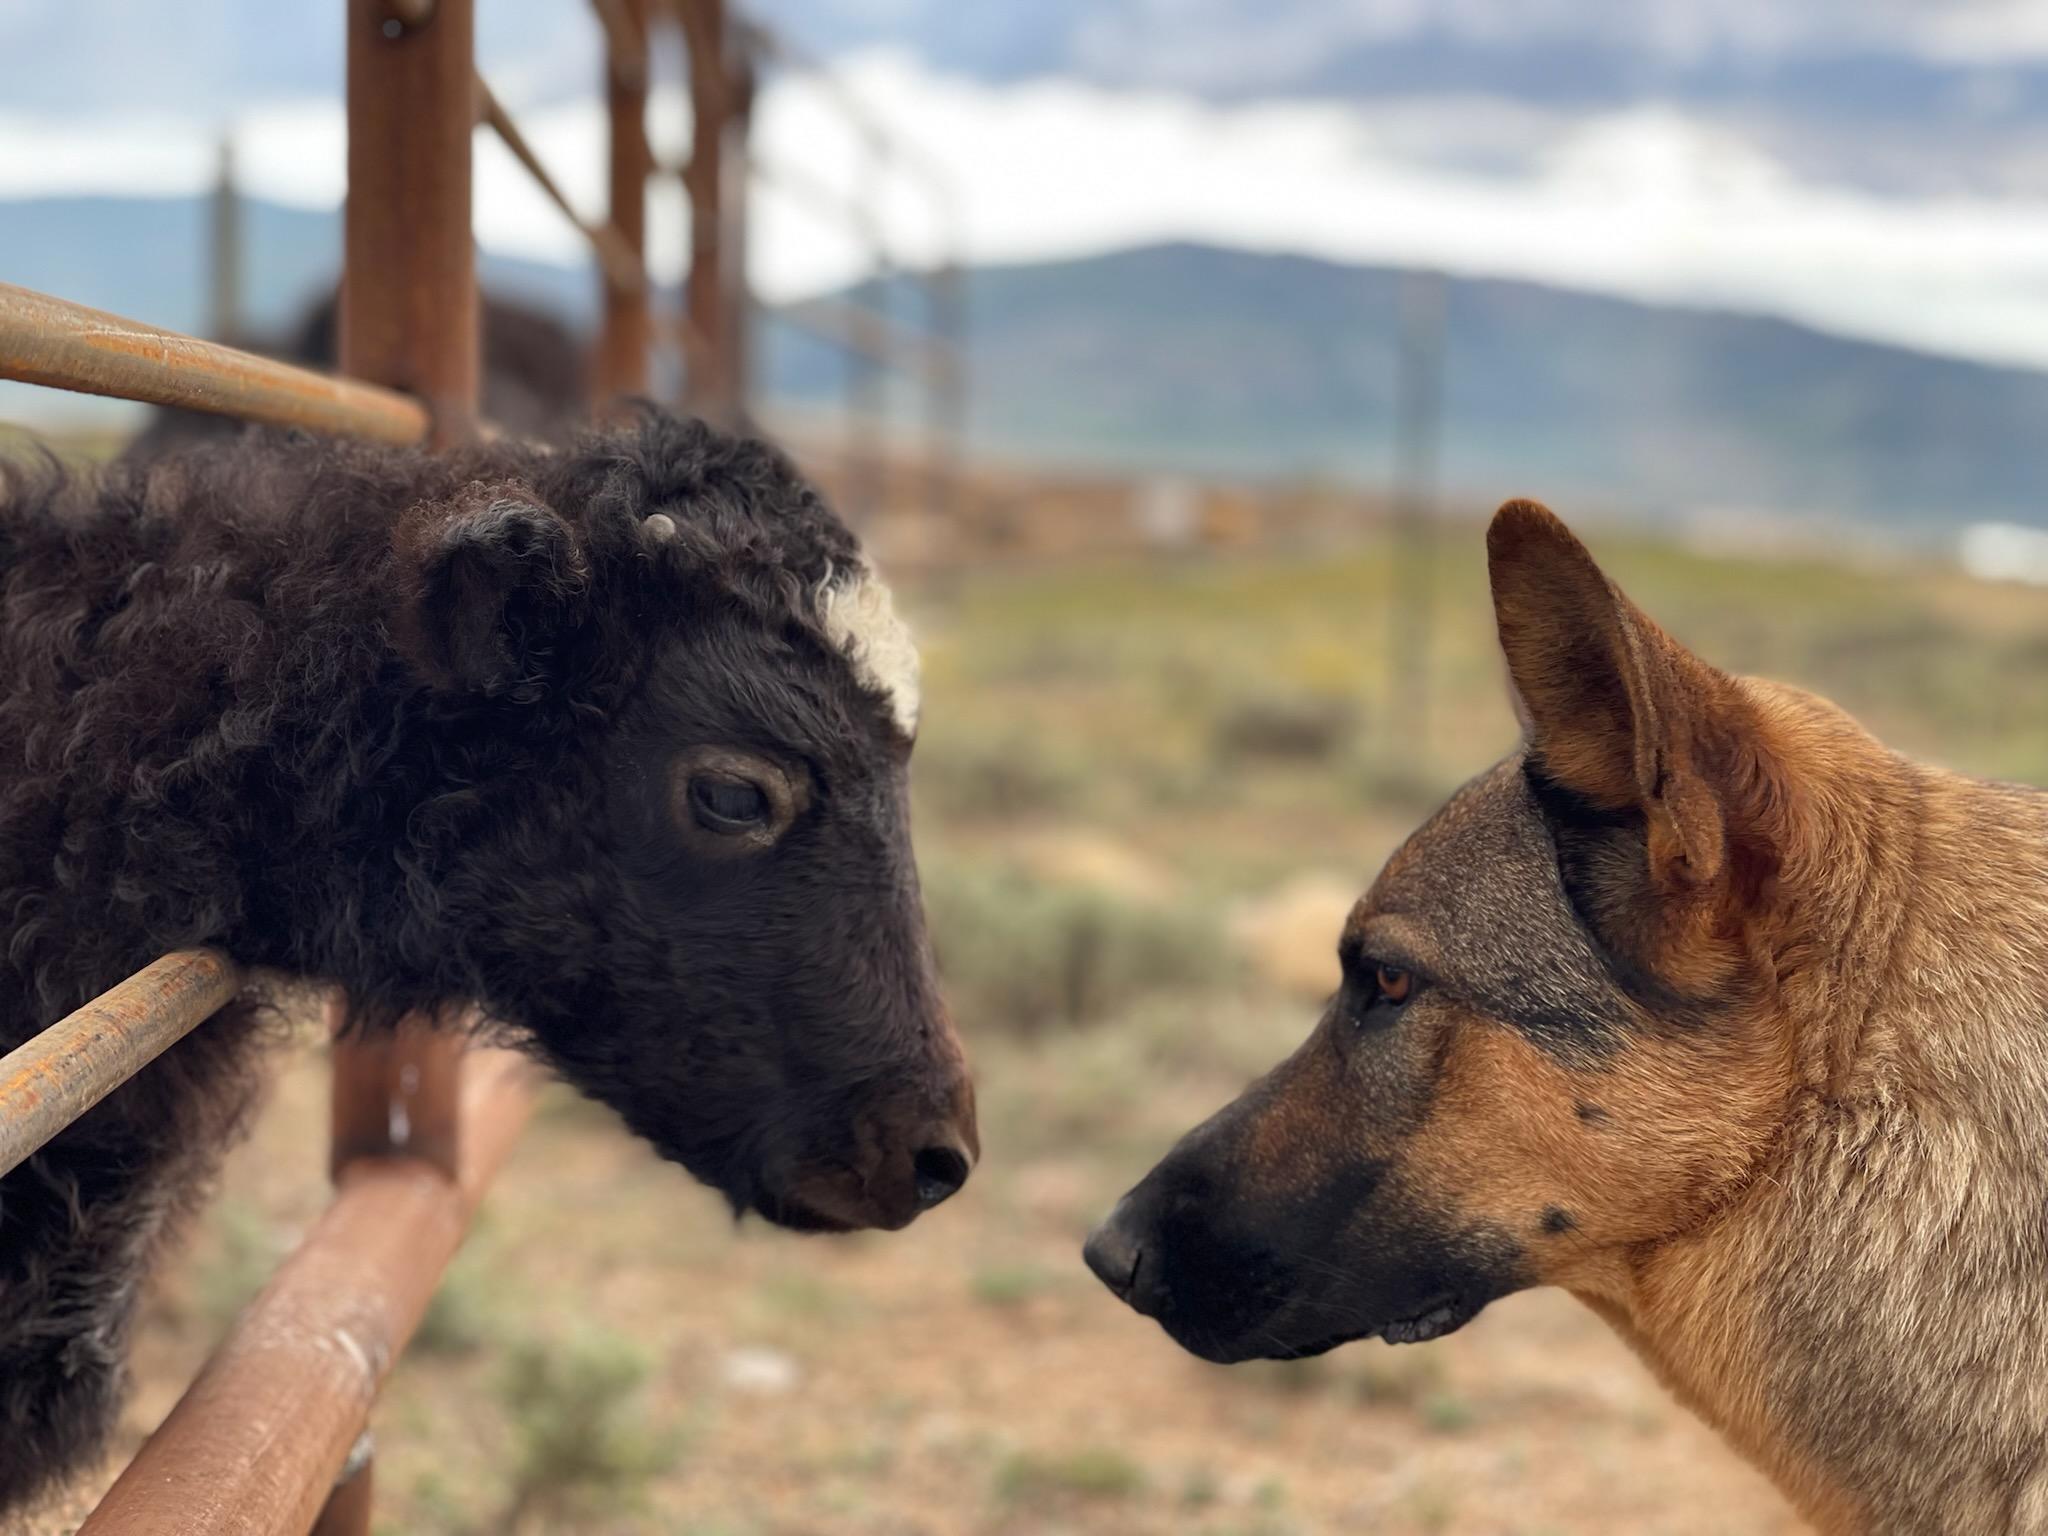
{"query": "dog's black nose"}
[(1114, 1254), (940, 1173)]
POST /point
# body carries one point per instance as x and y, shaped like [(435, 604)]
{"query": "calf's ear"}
[(488, 581), (1616, 711)]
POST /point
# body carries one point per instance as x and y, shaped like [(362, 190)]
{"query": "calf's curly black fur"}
[(609, 741)]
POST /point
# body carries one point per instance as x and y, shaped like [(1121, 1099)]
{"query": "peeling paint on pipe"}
[(53, 342), (50, 1081)]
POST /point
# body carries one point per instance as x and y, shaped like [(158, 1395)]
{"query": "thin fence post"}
[(1418, 422), (946, 386), (736, 294), (622, 350), (714, 183), (224, 253)]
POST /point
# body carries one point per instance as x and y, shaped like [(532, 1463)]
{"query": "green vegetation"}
[(1025, 953), (1092, 1472), (582, 1440), (241, 1250), (464, 1313), (1234, 720), (1012, 1285), (1446, 1413)]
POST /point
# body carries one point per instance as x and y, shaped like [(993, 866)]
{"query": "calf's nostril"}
[(940, 1172)]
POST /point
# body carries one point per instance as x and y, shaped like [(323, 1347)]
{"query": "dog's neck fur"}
[(1868, 1319)]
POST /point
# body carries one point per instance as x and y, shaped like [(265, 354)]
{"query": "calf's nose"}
[(940, 1169)]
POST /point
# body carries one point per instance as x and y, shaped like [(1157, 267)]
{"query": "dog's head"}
[(1561, 1033)]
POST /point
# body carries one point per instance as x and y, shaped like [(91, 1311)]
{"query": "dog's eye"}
[(1392, 985), (727, 805), (1375, 993)]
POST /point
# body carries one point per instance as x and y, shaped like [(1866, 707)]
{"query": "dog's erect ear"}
[(1616, 711), (488, 580)]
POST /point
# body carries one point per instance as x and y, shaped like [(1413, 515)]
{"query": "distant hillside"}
[(1201, 360), (1197, 358)]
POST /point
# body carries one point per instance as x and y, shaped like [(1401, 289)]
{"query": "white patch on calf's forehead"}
[(860, 618)]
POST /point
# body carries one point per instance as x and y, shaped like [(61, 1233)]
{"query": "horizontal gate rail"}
[(264, 1432), (53, 342), (52, 1079)]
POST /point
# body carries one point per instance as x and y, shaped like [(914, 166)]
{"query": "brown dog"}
[(1713, 1011)]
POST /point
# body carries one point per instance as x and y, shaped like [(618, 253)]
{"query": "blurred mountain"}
[(1199, 359)]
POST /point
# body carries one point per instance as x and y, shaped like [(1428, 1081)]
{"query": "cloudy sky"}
[(1873, 166)]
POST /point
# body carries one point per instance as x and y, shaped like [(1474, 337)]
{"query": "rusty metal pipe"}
[(256, 1444), (622, 266), (50, 341), (51, 1080), (409, 318), (408, 290), (708, 286), (625, 40), (626, 329)]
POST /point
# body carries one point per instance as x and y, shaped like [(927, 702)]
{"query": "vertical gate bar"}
[(706, 292), (946, 385), (347, 1510), (868, 376), (408, 302), (408, 320), (622, 347), (736, 311)]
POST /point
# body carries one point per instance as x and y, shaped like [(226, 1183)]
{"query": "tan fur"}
[(1893, 1245)]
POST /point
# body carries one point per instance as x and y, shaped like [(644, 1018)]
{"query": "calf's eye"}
[(727, 805)]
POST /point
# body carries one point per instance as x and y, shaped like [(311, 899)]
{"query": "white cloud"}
[(1650, 202), (1232, 45), (42, 159)]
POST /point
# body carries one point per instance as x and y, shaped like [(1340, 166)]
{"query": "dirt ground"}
[(1176, 773)]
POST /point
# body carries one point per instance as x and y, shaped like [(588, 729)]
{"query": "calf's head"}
[(1560, 1036), (679, 708)]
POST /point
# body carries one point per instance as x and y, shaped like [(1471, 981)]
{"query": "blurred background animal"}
[(534, 381)]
